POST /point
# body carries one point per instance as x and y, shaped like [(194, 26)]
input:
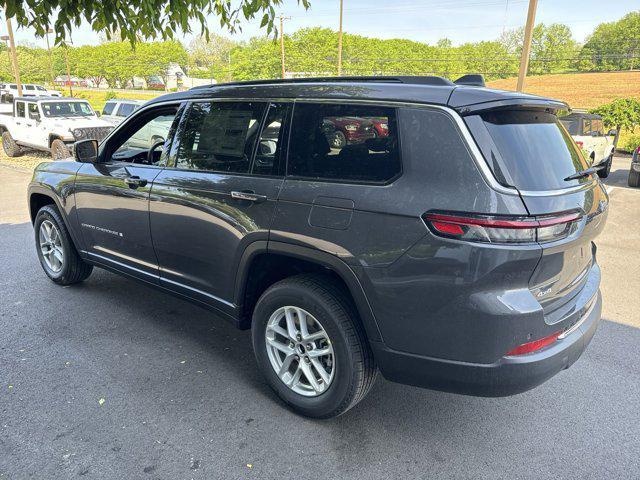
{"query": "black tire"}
[(604, 173), (73, 269), (634, 178), (59, 151), (338, 140), (355, 370), (11, 148)]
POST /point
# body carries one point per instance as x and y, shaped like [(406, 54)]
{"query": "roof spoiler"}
[(474, 80)]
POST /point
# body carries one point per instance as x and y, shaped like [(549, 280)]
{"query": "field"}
[(580, 90)]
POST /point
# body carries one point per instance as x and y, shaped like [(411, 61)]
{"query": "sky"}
[(421, 20)]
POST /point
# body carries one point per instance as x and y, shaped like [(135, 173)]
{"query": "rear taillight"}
[(533, 346), (502, 229), (580, 144)]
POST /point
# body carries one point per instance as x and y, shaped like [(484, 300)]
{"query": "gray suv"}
[(447, 242)]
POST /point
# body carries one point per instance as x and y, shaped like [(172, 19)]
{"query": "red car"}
[(342, 131)]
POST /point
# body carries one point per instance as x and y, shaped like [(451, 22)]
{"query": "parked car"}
[(115, 111), (28, 90), (49, 124), (456, 253), (634, 170), (587, 130), (341, 131)]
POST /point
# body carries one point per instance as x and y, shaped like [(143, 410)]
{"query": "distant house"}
[(63, 81)]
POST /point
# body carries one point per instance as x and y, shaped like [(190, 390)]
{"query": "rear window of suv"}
[(347, 143), (527, 149)]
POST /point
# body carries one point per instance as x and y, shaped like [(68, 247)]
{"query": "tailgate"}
[(563, 269)]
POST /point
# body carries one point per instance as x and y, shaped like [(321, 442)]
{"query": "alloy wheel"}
[(300, 351), (51, 246)]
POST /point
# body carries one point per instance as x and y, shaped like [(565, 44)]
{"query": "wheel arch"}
[(262, 265), (52, 137), (39, 197)]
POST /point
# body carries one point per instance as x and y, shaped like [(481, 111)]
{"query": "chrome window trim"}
[(477, 156)]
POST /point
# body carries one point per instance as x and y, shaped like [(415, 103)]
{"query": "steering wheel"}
[(153, 148)]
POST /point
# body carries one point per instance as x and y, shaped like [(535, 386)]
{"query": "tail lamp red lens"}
[(503, 229), (535, 345), (580, 144)]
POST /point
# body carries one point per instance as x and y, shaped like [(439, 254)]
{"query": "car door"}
[(112, 199), (38, 133), (20, 133), (218, 195)]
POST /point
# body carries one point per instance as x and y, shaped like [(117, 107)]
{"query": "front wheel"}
[(59, 151), (311, 347), (56, 252)]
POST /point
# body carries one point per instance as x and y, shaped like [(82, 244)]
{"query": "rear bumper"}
[(508, 376)]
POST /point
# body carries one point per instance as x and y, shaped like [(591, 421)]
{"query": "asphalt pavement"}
[(110, 379)]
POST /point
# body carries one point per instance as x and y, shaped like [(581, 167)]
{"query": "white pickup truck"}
[(50, 124)]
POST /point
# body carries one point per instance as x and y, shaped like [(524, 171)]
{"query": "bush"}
[(110, 95), (630, 143)]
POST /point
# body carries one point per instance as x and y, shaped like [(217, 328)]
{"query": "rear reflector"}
[(502, 229), (530, 347)]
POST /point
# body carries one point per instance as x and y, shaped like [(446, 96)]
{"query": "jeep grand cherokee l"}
[(454, 253)]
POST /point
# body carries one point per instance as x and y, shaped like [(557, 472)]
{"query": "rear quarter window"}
[(346, 143)]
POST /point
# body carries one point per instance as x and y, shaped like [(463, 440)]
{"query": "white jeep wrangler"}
[(50, 124), (587, 130)]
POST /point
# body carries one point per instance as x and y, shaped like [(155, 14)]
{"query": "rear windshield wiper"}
[(587, 171)]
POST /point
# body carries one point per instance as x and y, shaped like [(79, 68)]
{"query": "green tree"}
[(615, 45), (135, 19), (210, 58), (619, 114)]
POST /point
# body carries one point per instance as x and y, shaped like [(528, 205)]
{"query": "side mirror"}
[(612, 132), (86, 151), (98, 113)]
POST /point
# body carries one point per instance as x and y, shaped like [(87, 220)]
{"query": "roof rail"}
[(472, 80), (416, 80)]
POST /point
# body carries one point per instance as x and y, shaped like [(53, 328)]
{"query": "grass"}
[(582, 90), (97, 98)]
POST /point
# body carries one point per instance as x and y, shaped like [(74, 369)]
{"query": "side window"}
[(344, 142), (586, 126), (219, 136), (33, 111), (20, 109), (29, 87), (596, 126), (147, 130), (40, 89), (268, 158), (108, 108), (125, 109)]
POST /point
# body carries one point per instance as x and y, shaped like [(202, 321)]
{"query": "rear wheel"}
[(634, 178), (11, 148), (56, 252), (59, 151), (311, 347), (338, 140)]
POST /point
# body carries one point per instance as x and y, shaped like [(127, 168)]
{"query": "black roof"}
[(432, 90)]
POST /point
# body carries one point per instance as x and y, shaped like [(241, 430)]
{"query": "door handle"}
[(248, 195), (135, 181)]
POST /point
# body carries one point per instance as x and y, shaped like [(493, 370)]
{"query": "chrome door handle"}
[(250, 196), (135, 181)]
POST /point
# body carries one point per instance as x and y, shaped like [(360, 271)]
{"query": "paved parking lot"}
[(111, 379)]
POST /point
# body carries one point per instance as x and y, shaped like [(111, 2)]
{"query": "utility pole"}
[(340, 43), (282, 19), (66, 60), (50, 56), (526, 47), (14, 55)]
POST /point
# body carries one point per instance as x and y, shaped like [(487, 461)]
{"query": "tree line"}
[(313, 52)]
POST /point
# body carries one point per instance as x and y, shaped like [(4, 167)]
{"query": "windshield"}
[(528, 149), (66, 109)]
